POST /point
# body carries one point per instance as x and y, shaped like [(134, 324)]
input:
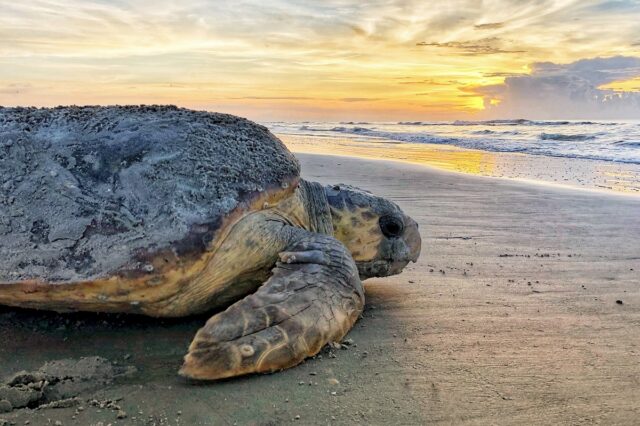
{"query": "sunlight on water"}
[(572, 172), (594, 140), (451, 158)]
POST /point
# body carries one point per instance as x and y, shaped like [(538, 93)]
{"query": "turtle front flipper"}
[(314, 297)]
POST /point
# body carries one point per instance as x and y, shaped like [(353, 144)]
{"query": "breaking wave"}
[(605, 141), (562, 137)]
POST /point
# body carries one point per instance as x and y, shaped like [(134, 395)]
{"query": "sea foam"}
[(597, 140)]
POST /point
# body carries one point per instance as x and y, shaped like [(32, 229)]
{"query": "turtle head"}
[(381, 238)]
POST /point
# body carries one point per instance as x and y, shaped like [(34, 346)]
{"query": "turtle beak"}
[(407, 249), (399, 253), (412, 239)]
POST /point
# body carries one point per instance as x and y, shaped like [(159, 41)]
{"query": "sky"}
[(294, 60)]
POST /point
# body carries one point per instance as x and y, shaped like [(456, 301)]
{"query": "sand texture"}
[(523, 309)]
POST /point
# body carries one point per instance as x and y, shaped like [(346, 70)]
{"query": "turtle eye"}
[(391, 226)]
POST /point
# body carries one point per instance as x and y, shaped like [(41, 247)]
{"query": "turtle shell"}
[(92, 192)]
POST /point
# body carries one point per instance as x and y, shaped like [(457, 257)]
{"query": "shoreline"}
[(520, 181), (571, 174)]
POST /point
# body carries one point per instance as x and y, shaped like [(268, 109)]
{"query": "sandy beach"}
[(523, 309)]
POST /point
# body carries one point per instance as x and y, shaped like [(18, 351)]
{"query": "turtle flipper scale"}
[(313, 298)]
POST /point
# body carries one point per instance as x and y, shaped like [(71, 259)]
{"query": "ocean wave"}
[(570, 123), (516, 122), (563, 137), (630, 144), (424, 123), (571, 139), (341, 129), (525, 122), (495, 132), (402, 136)]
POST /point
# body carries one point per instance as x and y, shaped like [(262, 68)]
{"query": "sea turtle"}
[(168, 212)]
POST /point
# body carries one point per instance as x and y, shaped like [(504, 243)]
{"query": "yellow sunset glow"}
[(294, 60), (632, 85)]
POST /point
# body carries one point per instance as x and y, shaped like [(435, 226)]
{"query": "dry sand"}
[(510, 317)]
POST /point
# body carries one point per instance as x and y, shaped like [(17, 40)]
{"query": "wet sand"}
[(581, 174), (509, 317)]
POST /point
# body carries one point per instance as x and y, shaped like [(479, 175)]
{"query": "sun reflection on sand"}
[(449, 158), (618, 180), (573, 173)]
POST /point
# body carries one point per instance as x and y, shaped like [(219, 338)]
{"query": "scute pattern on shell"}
[(82, 189)]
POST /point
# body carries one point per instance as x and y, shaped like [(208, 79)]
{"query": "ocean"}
[(601, 155), (617, 141)]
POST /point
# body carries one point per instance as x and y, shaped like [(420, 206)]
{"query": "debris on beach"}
[(57, 384)]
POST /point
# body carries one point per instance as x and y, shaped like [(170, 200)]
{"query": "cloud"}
[(485, 46), (274, 98), (467, 95), (15, 88), (623, 5), (303, 98), (360, 99), (285, 58), (502, 74), (489, 26), (571, 90), (430, 82)]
